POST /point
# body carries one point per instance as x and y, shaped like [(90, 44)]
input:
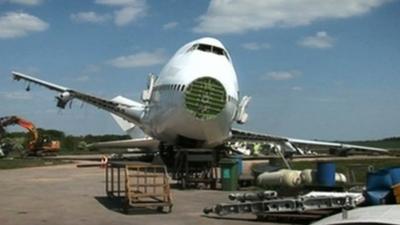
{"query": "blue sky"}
[(315, 69)]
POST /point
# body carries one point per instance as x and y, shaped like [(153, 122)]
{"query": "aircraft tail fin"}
[(129, 128)]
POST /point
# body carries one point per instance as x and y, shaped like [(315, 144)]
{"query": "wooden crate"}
[(147, 186), (139, 185)]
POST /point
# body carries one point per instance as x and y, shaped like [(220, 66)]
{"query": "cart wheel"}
[(125, 207), (183, 183), (160, 209), (261, 217)]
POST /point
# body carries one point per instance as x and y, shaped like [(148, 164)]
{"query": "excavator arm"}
[(32, 131), (15, 120)]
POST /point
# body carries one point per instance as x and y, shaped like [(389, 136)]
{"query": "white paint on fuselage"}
[(167, 116)]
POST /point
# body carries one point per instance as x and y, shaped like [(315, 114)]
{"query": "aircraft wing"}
[(142, 143), (122, 109), (295, 144)]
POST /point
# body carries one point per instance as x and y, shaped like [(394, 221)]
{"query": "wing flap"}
[(336, 145), (253, 136), (243, 135)]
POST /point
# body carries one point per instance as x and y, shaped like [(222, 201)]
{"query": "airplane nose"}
[(205, 98)]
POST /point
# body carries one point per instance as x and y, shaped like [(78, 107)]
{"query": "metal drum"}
[(326, 174)]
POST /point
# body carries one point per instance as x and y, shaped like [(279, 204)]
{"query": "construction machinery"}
[(37, 145)]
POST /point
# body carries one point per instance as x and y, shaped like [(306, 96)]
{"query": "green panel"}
[(226, 173), (205, 98), (229, 174)]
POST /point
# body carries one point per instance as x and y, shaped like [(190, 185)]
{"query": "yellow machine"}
[(37, 145)]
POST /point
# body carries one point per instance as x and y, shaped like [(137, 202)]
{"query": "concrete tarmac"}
[(66, 194)]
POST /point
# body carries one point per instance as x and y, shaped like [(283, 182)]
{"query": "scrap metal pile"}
[(267, 202)]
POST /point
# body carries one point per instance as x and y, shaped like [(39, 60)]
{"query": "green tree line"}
[(75, 143), (68, 142)]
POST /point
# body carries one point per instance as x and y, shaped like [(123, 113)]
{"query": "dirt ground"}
[(66, 194)]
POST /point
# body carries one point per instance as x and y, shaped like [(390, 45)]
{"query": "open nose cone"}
[(205, 98)]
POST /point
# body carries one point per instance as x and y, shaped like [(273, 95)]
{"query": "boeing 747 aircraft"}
[(193, 103)]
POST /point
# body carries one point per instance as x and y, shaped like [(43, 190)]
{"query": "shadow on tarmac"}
[(117, 205)]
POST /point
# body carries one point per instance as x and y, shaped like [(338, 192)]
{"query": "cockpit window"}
[(218, 51), (192, 48), (205, 48), (209, 48)]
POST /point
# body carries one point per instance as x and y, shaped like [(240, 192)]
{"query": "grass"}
[(13, 163), (387, 143), (359, 167)]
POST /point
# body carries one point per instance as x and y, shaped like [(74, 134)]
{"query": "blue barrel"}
[(326, 174), (239, 161), (379, 180), (395, 175), (378, 197)]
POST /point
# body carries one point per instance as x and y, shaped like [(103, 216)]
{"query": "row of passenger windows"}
[(209, 48), (176, 87)]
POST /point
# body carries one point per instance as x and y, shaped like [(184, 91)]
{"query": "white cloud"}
[(281, 75), (170, 25), (83, 78), (227, 16), (19, 24), (118, 2), (91, 68), (87, 73), (17, 95), (256, 46), (127, 15), (320, 40), (297, 88), (89, 17), (141, 59), (27, 2), (129, 10), (327, 99)]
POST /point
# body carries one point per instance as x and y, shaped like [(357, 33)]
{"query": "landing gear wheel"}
[(183, 183), (125, 207)]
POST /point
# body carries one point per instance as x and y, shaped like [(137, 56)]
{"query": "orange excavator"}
[(37, 145)]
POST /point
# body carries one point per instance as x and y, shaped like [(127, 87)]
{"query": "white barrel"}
[(284, 177), (308, 177), (340, 178)]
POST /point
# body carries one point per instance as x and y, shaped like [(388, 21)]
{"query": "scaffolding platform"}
[(139, 185)]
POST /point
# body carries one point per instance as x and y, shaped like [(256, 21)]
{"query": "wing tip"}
[(16, 75)]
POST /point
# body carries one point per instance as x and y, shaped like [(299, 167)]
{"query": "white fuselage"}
[(195, 98)]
